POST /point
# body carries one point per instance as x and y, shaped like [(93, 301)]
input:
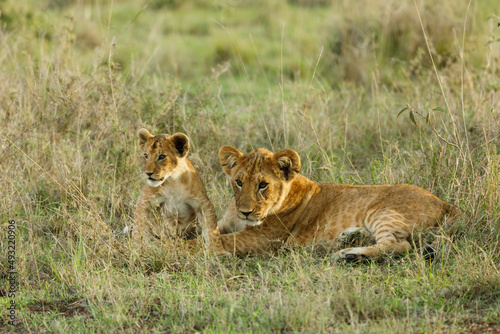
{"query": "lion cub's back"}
[(356, 206)]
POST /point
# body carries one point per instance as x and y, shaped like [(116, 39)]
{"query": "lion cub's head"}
[(164, 155), (261, 180)]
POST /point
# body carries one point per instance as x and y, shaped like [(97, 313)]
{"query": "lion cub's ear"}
[(228, 157), (181, 144), (288, 162), (143, 135)]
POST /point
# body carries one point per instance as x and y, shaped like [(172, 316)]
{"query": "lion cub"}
[(175, 191), (274, 205)]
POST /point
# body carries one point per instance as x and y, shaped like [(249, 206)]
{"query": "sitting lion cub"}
[(175, 190), (273, 205)]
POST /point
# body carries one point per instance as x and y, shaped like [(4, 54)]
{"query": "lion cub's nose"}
[(149, 173), (246, 213)]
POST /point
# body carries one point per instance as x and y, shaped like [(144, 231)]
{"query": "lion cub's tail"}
[(451, 211), (453, 217), (447, 230)]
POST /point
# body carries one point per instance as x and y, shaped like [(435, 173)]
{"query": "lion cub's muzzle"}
[(249, 217), (244, 214), (152, 177), (154, 180)]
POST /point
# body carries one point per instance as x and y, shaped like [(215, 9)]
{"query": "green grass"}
[(325, 78)]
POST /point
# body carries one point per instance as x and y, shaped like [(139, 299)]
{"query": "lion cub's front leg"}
[(141, 213), (211, 234)]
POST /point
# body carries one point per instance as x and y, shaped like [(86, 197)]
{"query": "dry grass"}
[(78, 79)]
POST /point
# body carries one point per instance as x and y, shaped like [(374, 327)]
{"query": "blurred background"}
[(319, 42)]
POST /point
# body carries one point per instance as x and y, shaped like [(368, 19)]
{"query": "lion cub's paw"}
[(349, 254), (217, 250), (355, 236), (220, 252)]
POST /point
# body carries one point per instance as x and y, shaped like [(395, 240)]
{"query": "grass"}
[(80, 77)]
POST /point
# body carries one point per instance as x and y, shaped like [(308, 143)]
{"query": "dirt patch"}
[(67, 308)]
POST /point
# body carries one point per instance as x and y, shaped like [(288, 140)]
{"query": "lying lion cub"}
[(175, 190), (273, 204)]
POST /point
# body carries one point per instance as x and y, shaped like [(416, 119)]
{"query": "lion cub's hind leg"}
[(355, 237), (390, 233)]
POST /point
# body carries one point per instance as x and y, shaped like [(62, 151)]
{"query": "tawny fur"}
[(173, 198), (274, 205)]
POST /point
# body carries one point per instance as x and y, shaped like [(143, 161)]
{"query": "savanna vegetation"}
[(368, 92)]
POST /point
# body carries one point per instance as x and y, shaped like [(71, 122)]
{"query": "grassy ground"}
[(326, 78)]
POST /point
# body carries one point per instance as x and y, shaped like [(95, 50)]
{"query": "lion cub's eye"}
[(239, 183), (145, 156), (162, 157), (263, 185)]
